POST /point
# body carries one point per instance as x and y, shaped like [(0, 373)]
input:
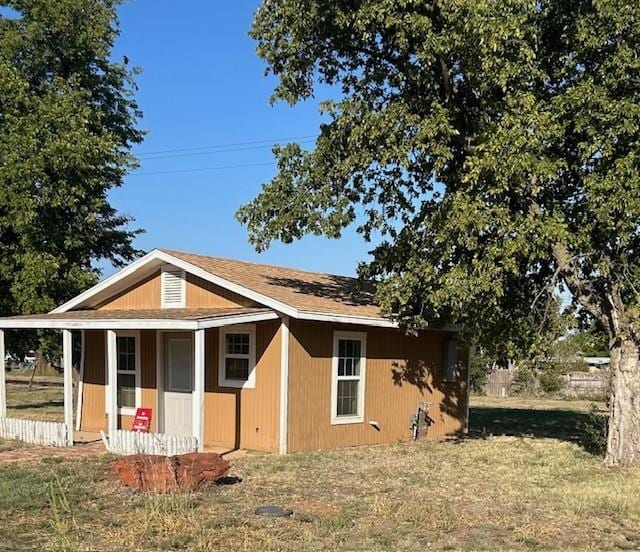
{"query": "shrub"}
[(525, 381), (478, 371), (551, 382), (594, 431)]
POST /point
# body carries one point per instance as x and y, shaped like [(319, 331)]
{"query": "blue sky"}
[(203, 85)]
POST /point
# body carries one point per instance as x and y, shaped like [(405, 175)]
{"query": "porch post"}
[(80, 381), (284, 385), (112, 374), (198, 388), (3, 389), (67, 370)]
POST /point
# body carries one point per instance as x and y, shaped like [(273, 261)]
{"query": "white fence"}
[(134, 442), (33, 431)]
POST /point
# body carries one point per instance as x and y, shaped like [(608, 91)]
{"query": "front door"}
[(178, 385)]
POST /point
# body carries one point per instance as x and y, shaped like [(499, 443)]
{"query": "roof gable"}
[(292, 292)]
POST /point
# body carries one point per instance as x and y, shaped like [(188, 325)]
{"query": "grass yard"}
[(37, 403), (490, 493), (523, 417)]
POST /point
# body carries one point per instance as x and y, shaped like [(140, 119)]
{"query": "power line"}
[(212, 152), (204, 169), (142, 154)]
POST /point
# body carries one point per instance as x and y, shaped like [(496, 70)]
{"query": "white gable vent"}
[(174, 289)]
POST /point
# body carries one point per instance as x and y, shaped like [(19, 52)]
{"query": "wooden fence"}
[(34, 431), (134, 442), (499, 382), (587, 384)]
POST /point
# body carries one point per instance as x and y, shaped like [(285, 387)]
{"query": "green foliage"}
[(534, 379), (594, 431), (492, 147), (551, 382), (591, 341), (67, 124), (478, 367), (525, 382)]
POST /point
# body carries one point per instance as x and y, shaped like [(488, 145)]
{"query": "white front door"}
[(178, 385)]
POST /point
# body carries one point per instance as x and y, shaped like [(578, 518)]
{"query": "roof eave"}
[(133, 323), (158, 256)]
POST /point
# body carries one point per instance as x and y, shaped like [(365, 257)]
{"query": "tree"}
[(492, 147), (67, 125)]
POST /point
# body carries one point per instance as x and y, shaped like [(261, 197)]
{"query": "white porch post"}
[(198, 388), (80, 380), (67, 370), (3, 389), (284, 385), (112, 374)]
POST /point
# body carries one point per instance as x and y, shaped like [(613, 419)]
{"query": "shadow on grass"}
[(522, 422), (45, 404)]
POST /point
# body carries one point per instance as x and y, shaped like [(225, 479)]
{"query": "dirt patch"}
[(34, 454)]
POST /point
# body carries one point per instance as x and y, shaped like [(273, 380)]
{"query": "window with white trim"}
[(237, 356), (128, 372), (348, 380)]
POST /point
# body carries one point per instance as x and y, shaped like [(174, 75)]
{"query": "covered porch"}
[(176, 354)]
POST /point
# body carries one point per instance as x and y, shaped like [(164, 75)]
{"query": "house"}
[(245, 355)]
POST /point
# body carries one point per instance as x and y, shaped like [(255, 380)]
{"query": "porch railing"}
[(35, 431), (134, 442)]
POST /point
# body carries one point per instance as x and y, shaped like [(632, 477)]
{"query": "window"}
[(128, 372), (237, 356), (450, 363), (347, 393)]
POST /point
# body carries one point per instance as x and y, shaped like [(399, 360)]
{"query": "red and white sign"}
[(142, 420)]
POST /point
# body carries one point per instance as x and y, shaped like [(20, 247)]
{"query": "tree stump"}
[(183, 472)]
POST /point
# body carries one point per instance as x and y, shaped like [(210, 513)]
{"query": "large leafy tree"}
[(67, 124), (491, 146)]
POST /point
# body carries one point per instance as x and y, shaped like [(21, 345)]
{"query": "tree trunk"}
[(623, 440)]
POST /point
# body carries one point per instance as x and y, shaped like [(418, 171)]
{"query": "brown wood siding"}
[(203, 294), (148, 376), (400, 371), (199, 294), (94, 417), (93, 394), (245, 418), (256, 410), (143, 295)]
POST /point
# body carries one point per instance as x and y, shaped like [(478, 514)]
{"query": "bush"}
[(525, 381), (551, 382), (594, 431), (478, 371)]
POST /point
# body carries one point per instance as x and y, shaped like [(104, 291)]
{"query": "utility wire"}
[(271, 141), (173, 156), (204, 169)]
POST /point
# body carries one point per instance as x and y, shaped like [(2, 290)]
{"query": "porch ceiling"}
[(140, 319)]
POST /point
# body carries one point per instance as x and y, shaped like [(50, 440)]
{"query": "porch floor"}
[(86, 437)]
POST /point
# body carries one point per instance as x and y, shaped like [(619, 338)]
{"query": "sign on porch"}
[(142, 420)]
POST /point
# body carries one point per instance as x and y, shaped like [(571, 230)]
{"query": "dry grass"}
[(478, 401), (37, 403), (496, 493)]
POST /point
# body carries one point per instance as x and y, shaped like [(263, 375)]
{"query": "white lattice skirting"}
[(33, 431), (133, 442)]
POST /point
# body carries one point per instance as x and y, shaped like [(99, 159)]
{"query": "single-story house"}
[(246, 355)]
